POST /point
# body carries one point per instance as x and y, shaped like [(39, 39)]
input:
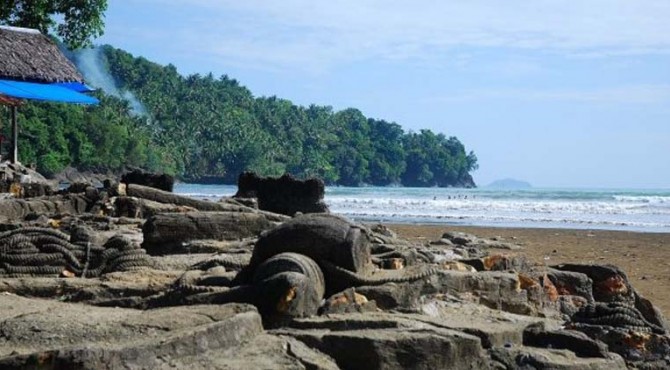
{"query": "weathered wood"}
[(17, 209), (161, 196), (165, 233), (14, 155), (144, 208)]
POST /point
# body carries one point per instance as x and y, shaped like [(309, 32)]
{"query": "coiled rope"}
[(39, 251)]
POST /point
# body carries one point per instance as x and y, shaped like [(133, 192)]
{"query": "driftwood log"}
[(144, 208), (160, 196), (165, 233)]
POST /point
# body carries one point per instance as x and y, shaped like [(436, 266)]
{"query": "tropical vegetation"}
[(204, 128), (200, 128)]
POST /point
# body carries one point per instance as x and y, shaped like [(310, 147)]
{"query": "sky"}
[(556, 93)]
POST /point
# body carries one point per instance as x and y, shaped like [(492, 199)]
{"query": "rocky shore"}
[(130, 276)]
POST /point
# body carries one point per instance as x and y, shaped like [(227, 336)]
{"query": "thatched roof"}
[(28, 55)]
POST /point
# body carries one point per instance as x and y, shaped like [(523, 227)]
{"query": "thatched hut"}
[(28, 55), (32, 67)]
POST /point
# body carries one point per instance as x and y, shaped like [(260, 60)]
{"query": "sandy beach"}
[(645, 257)]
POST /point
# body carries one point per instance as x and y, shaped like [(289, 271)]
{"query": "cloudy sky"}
[(557, 93)]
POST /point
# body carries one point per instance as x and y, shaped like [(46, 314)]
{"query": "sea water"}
[(611, 209)]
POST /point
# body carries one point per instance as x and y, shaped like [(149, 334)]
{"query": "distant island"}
[(203, 128), (509, 184)]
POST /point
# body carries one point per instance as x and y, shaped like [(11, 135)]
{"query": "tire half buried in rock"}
[(292, 262), (319, 237)]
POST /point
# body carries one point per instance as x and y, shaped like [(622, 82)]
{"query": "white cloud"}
[(320, 34)]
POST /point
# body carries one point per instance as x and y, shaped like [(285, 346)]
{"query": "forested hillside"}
[(201, 127)]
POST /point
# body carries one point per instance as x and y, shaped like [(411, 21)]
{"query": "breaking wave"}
[(636, 210)]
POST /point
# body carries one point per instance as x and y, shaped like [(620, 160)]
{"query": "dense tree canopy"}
[(75, 21), (99, 138), (202, 128)]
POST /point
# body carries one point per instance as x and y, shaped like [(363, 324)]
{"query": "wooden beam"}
[(14, 155)]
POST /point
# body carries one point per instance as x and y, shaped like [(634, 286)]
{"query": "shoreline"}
[(643, 256), (639, 210), (511, 225)]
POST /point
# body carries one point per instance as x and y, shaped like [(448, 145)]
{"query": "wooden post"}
[(14, 156)]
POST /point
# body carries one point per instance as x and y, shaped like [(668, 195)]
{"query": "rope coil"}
[(31, 251)]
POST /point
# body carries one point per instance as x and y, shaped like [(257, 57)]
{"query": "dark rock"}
[(496, 290), (32, 190), (383, 343), (493, 327), (493, 289), (498, 262), (384, 231), (17, 209), (248, 202), (575, 341), (159, 181), (392, 296), (285, 195), (571, 283), (71, 175), (529, 358), (264, 351), (636, 347), (347, 301), (76, 187), (610, 284), (111, 338), (650, 312), (459, 238)]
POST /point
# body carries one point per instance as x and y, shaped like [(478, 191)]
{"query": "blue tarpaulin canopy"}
[(57, 92), (76, 86)]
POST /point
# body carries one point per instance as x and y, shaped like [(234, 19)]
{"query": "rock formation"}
[(285, 195), (227, 286)]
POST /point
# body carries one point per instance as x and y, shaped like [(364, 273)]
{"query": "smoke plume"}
[(89, 61)]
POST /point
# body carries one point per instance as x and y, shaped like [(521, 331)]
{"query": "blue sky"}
[(557, 93)]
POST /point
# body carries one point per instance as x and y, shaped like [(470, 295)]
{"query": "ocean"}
[(609, 209)]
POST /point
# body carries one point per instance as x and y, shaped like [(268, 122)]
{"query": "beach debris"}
[(615, 314), (320, 283), (322, 237), (161, 196), (43, 251), (167, 233)]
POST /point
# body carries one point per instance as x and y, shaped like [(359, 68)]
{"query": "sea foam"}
[(638, 210)]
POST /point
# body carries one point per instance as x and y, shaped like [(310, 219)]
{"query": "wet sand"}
[(645, 257)]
